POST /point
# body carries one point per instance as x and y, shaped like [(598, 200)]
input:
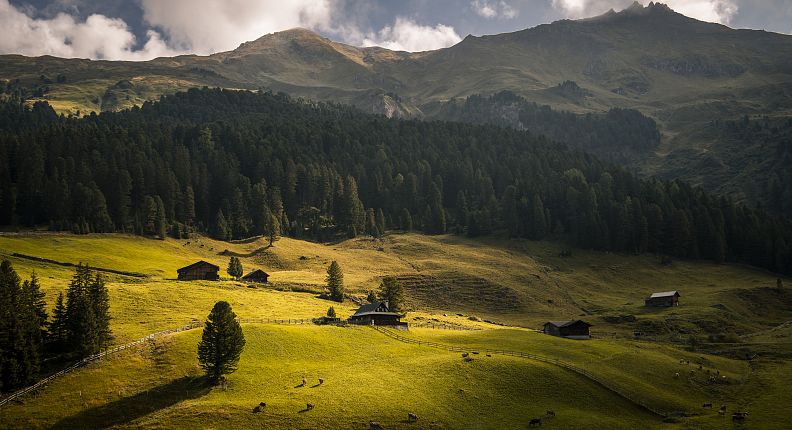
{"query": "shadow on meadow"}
[(128, 409)]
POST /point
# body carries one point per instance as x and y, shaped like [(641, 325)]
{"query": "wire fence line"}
[(582, 372), (42, 383)]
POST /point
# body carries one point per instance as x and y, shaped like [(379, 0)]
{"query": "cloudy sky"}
[(144, 29)]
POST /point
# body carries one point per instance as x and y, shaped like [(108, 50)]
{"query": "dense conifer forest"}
[(235, 164), (618, 135)]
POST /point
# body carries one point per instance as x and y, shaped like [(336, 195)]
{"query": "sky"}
[(144, 29)]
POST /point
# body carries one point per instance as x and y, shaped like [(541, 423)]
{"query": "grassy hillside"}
[(372, 377)]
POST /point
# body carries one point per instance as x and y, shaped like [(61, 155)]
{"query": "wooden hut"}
[(665, 299), (575, 329), (377, 313), (200, 271), (257, 275)]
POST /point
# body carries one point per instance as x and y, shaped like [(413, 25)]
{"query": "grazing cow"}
[(321, 381), (304, 382), (489, 355), (536, 422), (309, 406), (551, 413), (411, 417), (373, 425), (739, 416), (707, 405), (260, 408), (465, 354)]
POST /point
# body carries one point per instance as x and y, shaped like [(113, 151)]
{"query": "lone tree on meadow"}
[(335, 282), (235, 268), (392, 292), (272, 228), (331, 313), (222, 342)]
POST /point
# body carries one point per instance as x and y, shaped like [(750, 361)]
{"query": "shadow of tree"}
[(130, 408)]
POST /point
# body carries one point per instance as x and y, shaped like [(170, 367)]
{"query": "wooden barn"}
[(377, 313), (665, 299), (258, 276), (200, 271), (575, 329)]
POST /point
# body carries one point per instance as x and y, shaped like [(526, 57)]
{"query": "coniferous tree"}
[(99, 298), (222, 342), (34, 299), (331, 312), (273, 228), (235, 268), (371, 297), (20, 332), (59, 326), (335, 282), (392, 292), (221, 230), (381, 222)]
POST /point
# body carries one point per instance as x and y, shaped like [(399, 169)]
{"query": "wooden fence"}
[(42, 383), (582, 372)]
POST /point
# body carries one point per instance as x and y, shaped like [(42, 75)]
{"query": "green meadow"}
[(512, 285)]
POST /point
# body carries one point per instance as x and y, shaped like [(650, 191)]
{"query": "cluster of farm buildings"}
[(379, 314)]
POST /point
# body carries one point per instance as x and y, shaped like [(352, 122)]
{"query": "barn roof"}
[(256, 272), (664, 294), (198, 264), (371, 309), (560, 324)]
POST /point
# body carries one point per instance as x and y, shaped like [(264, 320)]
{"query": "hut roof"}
[(664, 294), (257, 272), (372, 309), (198, 264), (560, 324)]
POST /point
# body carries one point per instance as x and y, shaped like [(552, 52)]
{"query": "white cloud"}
[(207, 26), (721, 11), (407, 35), (493, 9), (97, 37)]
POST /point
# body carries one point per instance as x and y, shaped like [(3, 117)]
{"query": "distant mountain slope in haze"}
[(681, 72)]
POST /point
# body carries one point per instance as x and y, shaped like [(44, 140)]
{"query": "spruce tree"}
[(222, 342), (99, 298), (34, 299), (220, 229), (381, 222), (272, 228), (392, 292), (371, 297), (335, 282), (20, 332), (58, 327), (235, 268), (331, 312)]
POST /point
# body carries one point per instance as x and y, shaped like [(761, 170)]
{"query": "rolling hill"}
[(369, 376)]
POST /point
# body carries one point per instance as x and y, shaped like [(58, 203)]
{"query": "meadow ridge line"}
[(65, 264), (555, 362)]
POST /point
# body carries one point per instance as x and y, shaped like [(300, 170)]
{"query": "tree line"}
[(79, 327), (235, 164)]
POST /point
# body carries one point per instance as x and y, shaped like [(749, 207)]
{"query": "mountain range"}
[(691, 78)]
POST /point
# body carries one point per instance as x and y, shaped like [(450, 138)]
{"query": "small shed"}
[(200, 271), (664, 300), (257, 275), (575, 329), (377, 313)]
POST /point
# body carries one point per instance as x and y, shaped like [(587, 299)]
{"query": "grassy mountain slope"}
[(372, 377)]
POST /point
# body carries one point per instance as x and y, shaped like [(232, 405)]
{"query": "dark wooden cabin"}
[(200, 271), (575, 329), (665, 299), (377, 313), (257, 275)]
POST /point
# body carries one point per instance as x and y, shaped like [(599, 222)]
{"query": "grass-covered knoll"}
[(367, 377), (372, 377), (516, 282)]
